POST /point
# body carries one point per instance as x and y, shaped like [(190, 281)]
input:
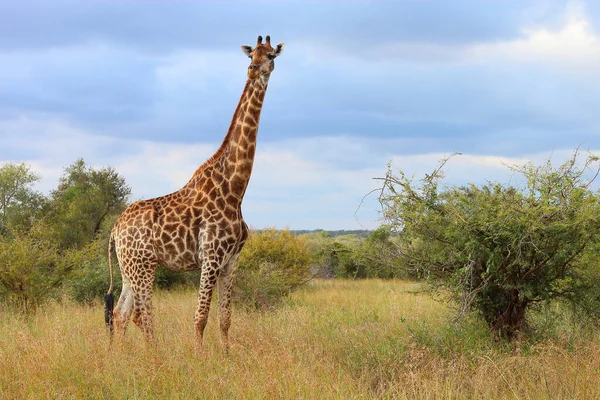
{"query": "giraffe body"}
[(198, 227)]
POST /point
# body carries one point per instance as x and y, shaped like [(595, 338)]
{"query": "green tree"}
[(502, 249), (83, 201), (19, 203)]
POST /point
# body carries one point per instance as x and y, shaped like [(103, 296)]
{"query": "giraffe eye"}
[(271, 56)]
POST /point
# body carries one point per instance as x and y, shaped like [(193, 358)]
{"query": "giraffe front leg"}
[(225, 282), (207, 284)]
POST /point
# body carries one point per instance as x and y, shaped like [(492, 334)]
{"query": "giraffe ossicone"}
[(199, 226)]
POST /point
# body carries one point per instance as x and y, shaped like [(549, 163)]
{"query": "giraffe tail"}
[(109, 298)]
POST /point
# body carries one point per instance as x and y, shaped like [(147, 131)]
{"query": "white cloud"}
[(573, 45), (154, 169), (50, 144)]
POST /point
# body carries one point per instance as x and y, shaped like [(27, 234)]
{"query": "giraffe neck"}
[(233, 161), (240, 142)]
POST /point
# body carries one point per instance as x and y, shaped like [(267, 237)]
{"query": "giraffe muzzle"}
[(253, 71)]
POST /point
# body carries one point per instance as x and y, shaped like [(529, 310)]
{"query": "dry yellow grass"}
[(333, 339)]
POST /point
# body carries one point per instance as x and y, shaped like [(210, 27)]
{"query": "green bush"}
[(168, 279), (338, 260), (350, 256), (90, 281), (33, 269), (271, 265), (379, 256)]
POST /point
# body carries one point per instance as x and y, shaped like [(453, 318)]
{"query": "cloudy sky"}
[(149, 87)]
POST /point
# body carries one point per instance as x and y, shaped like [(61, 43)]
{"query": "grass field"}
[(332, 339)]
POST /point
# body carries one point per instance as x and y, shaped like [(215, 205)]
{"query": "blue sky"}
[(150, 87)]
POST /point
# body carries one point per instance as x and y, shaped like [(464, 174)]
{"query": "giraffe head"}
[(262, 57)]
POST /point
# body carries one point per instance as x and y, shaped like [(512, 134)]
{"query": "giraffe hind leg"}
[(124, 308), (142, 313)]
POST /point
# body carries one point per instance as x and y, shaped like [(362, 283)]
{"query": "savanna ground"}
[(332, 339)]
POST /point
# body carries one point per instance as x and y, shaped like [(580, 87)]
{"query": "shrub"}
[(32, 268), (271, 265), (338, 260), (90, 281), (378, 253)]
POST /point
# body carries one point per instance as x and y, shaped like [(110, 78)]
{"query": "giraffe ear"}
[(278, 49), (247, 50)]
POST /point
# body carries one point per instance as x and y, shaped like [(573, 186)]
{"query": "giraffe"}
[(199, 226)]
